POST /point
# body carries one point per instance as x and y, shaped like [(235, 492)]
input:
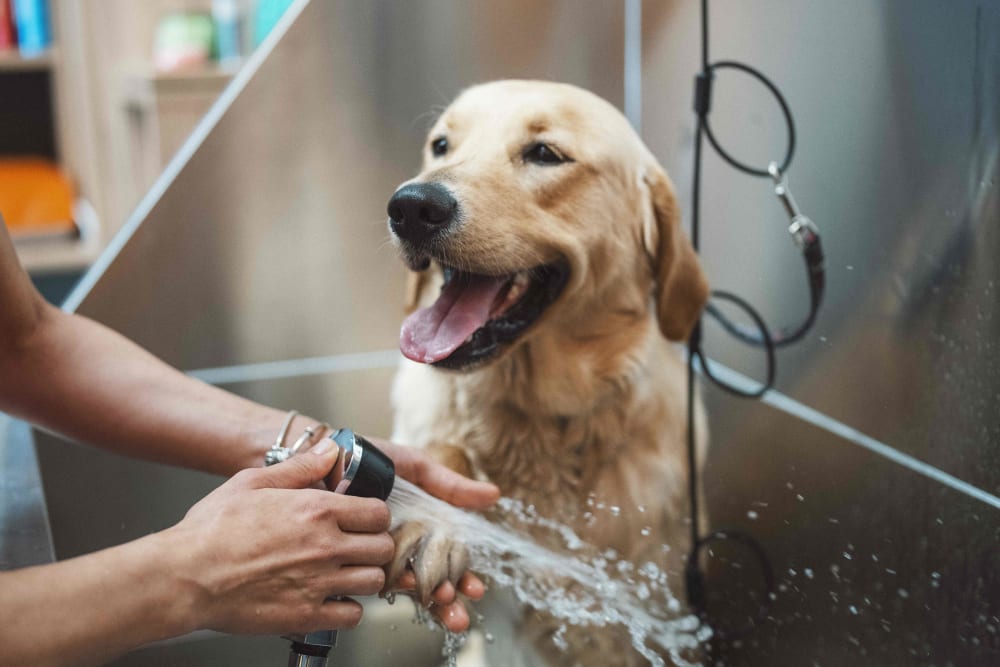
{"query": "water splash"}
[(579, 587)]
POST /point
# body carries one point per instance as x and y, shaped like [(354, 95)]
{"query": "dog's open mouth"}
[(477, 315)]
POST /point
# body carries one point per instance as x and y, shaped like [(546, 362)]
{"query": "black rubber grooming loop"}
[(816, 278), (765, 337), (789, 153)]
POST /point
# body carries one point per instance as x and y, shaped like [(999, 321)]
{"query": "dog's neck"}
[(568, 374), (564, 396)]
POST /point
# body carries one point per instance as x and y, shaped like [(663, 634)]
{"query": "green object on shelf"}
[(183, 40)]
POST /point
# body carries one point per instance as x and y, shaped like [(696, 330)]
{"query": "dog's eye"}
[(539, 153), (439, 146)]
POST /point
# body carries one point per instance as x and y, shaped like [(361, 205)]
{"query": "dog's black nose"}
[(419, 210)]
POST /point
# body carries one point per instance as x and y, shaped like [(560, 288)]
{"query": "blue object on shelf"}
[(228, 17), (269, 12), (34, 35)]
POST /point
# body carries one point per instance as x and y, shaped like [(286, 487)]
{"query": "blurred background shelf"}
[(63, 255), (13, 61), (161, 109), (57, 256), (94, 106)]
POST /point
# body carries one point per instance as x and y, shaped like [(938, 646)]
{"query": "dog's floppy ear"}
[(415, 282), (681, 288)]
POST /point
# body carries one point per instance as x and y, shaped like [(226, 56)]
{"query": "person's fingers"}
[(447, 607), (362, 549), (443, 594), (298, 472), (439, 481), (453, 616), (338, 614), (471, 586), (406, 582), (355, 580), (361, 515)]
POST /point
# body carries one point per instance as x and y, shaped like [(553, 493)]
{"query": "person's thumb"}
[(302, 470)]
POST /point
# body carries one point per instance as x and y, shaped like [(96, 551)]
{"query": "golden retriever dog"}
[(549, 275)]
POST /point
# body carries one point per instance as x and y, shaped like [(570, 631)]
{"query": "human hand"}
[(263, 553), (443, 601), (440, 481)]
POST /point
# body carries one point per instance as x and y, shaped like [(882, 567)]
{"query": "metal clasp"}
[(277, 454), (802, 229)]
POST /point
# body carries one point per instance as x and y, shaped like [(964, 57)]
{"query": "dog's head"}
[(537, 204)]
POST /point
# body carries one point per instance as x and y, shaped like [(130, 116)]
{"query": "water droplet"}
[(850, 267), (645, 531), (848, 556), (642, 591), (615, 510), (808, 572), (799, 497), (752, 515), (489, 637), (903, 593), (390, 597), (853, 610)]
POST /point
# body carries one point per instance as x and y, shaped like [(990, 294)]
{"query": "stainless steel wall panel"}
[(897, 107)]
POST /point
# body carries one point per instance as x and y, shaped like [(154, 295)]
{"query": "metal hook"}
[(802, 229)]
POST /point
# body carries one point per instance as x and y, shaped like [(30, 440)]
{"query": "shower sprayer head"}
[(362, 469)]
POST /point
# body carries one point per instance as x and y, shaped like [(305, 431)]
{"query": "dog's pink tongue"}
[(432, 333)]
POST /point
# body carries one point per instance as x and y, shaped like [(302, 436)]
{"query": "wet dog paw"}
[(431, 554)]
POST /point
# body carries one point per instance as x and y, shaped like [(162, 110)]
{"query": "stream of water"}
[(574, 586)]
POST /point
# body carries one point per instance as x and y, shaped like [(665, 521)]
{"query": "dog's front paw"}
[(433, 555)]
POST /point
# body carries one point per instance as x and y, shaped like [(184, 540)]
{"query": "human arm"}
[(260, 555), (74, 376)]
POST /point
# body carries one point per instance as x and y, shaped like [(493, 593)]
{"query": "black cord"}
[(762, 336), (766, 341), (789, 122)]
